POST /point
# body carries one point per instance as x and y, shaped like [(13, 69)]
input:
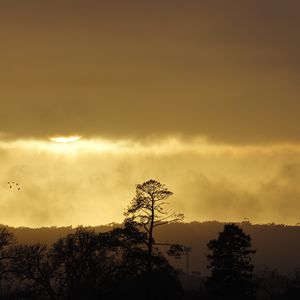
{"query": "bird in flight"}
[(14, 185)]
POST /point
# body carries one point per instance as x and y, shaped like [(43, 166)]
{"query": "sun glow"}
[(65, 139)]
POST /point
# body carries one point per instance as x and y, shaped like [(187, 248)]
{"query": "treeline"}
[(87, 265), (278, 246)]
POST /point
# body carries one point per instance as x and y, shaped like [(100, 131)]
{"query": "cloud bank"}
[(227, 71), (92, 181)]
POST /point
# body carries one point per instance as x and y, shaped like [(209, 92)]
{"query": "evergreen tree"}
[(146, 210), (230, 262)]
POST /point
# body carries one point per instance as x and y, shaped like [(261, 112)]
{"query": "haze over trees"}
[(125, 262), (89, 265)]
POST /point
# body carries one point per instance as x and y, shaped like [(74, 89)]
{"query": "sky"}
[(200, 95)]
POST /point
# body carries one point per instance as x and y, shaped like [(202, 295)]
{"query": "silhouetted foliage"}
[(89, 265), (270, 284), (292, 289), (114, 265), (6, 240), (176, 250), (124, 262), (36, 271), (120, 263), (146, 210), (230, 263), (273, 285)]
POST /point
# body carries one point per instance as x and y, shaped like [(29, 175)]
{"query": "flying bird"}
[(13, 183)]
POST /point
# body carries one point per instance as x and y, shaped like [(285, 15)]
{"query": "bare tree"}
[(147, 210), (34, 269)]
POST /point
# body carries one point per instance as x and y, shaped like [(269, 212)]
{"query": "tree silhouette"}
[(292, 290), (230, 261), (147, 210), (35, 272), (87, 265), (6, 240), (133, 279), (87, 261)]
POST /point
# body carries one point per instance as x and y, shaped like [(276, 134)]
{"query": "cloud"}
[(200, 95), (93, 184), (227, 71)]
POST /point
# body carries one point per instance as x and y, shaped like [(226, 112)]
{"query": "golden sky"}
[(202, 95)]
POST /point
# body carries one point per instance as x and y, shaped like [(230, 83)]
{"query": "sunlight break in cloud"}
[(156, 146), (65, 139)]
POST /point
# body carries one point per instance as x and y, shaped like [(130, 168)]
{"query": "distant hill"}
[(278, 246)]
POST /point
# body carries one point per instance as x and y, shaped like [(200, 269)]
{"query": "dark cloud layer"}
[(228, 70)]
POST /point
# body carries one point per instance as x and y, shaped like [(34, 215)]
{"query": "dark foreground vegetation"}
[(126, 263)]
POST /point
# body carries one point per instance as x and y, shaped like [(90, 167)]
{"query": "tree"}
[(147, 210), (230, 262), (6, 240), (87, 261), (111, 265), (91, 265), (35, 272)]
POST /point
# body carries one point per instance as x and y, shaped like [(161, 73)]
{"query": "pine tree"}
[(147, 210), (231, 265)]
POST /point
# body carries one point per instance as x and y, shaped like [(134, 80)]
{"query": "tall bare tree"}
[(147, 210)]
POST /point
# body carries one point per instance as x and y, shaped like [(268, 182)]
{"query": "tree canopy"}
[(147, 210), (231, 265)]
